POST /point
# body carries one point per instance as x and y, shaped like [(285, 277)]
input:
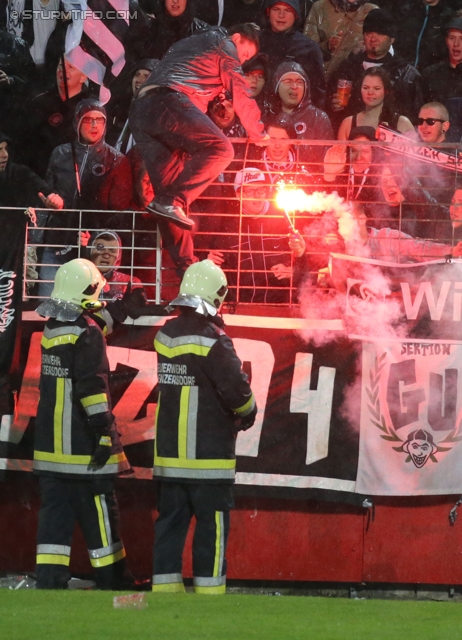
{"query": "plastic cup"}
[(131, 601), (344, 88)]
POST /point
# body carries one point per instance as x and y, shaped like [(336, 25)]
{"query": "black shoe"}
[(173, 213)]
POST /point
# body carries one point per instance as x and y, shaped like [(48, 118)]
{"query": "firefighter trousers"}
[(93, 504), (177, 504)]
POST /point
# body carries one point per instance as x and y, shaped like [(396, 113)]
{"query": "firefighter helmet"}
[(78, 282), (204, 287)]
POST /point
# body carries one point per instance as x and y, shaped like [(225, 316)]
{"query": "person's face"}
[(281, 17), (454, 45), (256, 81), (92, 127), (432, 132), (140, 76), (223, 114), (175, 8), (254, 197), (455, 210), (104, 254), (361, 154), (145, 190), (3, 155), (377, 45), (372, 91), (291, 90), (245, 48), (278, 148), (390, 189), (75, 78)]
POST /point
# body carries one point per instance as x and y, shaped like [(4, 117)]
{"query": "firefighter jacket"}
[(202, 393), (74, 409)]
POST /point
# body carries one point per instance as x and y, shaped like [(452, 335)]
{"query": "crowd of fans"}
[(326, 70)]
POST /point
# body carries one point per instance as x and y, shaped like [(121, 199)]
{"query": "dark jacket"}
[(105, 181), (239, 12), (421, 38), (49, 124), (291, 45), (74, 409), (105, 176), (19, 187), (441, 82), (201, 67), (308, 122), (202, 392), (405, 79), (167, 29)]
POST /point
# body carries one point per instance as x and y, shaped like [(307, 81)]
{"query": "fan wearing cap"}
[(281, 41), (443, 80), (103, 182), (379, 30), (77, 451), (260, 252), (204, 400)]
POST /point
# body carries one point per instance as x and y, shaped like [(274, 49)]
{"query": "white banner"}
[(410, 426)]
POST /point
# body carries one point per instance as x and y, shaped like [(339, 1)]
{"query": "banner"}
[(411, 411), (13, 226), (408, 318), (300, 440), (370, 404), (405, 146)]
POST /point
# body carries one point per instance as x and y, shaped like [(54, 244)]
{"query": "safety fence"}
[(393, 200)]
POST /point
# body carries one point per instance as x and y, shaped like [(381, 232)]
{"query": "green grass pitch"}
[(88, 615)]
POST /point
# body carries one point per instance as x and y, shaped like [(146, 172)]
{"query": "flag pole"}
[(73, 151)]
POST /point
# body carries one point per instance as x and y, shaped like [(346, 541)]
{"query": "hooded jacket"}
[(331, 17), (105, 179), (201, 67), (293, 45), (309, 122)]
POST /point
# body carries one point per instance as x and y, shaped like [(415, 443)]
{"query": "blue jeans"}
[(184, 151), (48, 270)]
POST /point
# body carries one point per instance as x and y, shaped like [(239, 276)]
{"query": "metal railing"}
[(239, 225)]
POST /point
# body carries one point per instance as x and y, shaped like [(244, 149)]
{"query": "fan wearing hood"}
[(124, 294), (105, 184), (281, 41), (292, 105), (337, 25), (175, 20)]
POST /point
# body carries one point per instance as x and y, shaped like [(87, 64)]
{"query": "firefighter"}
[(77, 451), (204, 400)]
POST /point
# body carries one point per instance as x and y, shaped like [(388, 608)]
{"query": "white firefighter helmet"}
[(78, 282), (204, 287)]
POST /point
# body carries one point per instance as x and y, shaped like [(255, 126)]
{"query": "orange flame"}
[(292, 200)]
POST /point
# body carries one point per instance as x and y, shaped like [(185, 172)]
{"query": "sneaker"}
[(174, 213)]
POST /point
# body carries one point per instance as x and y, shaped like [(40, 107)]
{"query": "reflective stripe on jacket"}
[(202, 391), (74, 408)]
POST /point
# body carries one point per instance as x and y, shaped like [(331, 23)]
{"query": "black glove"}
[(102, 452), (134, 302), (247, 421)]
